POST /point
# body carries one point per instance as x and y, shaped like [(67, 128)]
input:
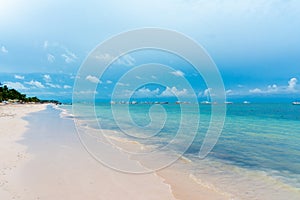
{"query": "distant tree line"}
[(12, 94)]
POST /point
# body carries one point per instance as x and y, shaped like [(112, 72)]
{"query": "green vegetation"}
[(13, 95)]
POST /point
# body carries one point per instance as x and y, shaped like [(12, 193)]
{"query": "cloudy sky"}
[(254, 43)]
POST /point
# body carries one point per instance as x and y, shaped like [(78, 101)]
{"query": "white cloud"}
[(104, 57), (74, 77), (178, 73), (275, 89), (207, 92), (109, 82), (168, 92), (122, 84), (200, 94), (126, 60), (85, 92), (154, 77), (4, 50), (19, 77), (65, 53), (50, 58), (256, 91), (69, 56), (67, 87), (145, 92), (228, 92), (71, 53), (15, 85), (35, 84), (272, 88), (47, 78), (138, 77), (92, 79), (292, 84), (53, 85)]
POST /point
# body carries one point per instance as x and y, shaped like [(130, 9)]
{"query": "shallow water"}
[(257, 155)]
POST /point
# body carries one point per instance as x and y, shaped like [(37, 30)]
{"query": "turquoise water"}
[(257, 152)]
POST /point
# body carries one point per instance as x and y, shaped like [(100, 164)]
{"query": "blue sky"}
[(255, 44)]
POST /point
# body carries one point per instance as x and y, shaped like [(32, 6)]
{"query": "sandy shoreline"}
[(60, 168), (12, 154), (50, 163)]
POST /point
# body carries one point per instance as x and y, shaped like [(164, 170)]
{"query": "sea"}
[(256, 156)]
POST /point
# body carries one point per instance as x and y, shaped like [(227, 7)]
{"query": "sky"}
[(254, 43)]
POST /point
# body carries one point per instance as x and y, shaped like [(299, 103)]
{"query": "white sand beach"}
[(43, 159), (13, 155)]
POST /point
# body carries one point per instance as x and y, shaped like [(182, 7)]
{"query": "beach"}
[(150, 100), (13, 155), (42, 158)]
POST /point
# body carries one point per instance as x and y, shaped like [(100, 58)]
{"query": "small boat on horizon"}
[(296, 103), (206, 102)]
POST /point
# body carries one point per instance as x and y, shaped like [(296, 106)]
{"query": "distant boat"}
[(165, 102), (228, 102), (296, 103), (182, 102), (206, 102), (246, 102)]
